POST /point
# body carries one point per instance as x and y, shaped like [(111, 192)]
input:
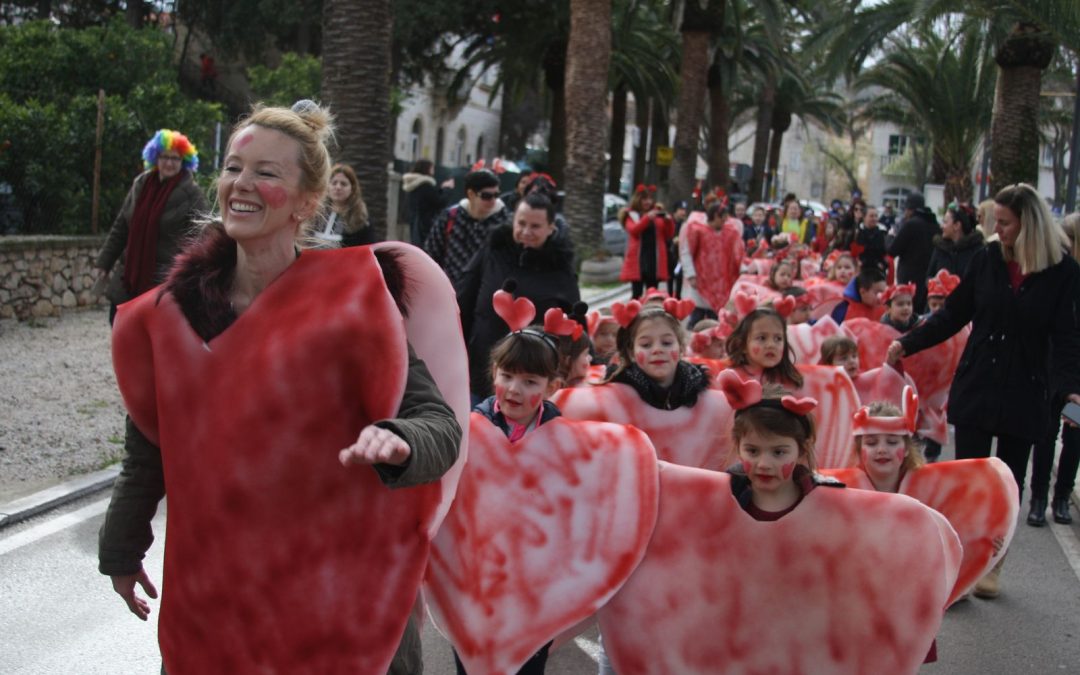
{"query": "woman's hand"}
[(124, 585), (1072, 398), (376, 446), (895, 353)]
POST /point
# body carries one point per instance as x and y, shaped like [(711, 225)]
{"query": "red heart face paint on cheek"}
[(640, 358), (787, 469), (534, 401), (274, 195), (500, 391), (747, 467), (674, 355), (901, 451)]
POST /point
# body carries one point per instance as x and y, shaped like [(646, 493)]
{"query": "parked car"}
[(614, 234)]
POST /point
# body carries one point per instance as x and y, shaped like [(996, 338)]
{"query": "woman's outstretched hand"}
[(376, 446), (124, 585), (895, 353)]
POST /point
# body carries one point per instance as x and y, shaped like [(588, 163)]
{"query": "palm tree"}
[(944, 86), (799, 97), (588, 54), (356, 84)]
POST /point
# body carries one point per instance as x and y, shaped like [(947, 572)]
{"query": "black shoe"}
[(1060, 508), (1037, 515)]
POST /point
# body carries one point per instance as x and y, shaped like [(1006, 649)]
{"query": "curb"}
[(606, 297), (58, 495)]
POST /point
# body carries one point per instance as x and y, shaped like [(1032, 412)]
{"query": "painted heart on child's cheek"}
[(977, 496), (849, 582), (541, 534), (516, 313), (625, 314)]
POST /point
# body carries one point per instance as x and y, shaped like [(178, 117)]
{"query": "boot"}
[(989, 587), (1060, 508), (1037, 515)]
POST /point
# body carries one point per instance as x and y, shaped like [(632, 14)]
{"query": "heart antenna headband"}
[(559, 323), (517, 313), (942, 284), (864, 423), (893, 291), (625, 314), (745, 394)]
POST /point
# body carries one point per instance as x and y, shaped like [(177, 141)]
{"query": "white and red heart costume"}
[(278, 558)]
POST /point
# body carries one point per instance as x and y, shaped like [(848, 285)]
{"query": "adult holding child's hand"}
[(1020, 295)]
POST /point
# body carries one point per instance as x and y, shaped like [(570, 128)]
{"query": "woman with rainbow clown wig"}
[(157, 215)]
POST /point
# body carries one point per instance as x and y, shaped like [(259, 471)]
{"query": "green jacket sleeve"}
[(125, 536), (428, 425), (116, 241)]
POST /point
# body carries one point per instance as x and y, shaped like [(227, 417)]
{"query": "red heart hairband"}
[(641, 187), (743, 394), (893, 291), (864, 423), (942, 284), (702, 339), (748, 302), (558, 322)]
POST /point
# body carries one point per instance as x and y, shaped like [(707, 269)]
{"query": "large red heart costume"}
[(824, 295), (278, 558), (806, 340), (848, 582), (756, 287), (542, 532), (978, 497), (698, 436), (837, 402)]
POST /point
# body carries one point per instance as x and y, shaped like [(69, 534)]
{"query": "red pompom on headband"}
[(904, 425), (645, 188)]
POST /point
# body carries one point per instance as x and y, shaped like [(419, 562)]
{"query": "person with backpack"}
[(460, 231)]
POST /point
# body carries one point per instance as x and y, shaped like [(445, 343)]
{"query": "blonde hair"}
[(1041, 240), (1071, 226), (986, 218), (913, 457)]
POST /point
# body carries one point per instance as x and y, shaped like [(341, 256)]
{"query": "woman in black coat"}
[(1021, 295), (527, 252), (957, 244)]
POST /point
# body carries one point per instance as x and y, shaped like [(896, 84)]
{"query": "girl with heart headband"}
[(782, 275), (885, 447), (575, 347), (803, 306), (774, 435), (651, 343), (603, 331), (900, 301), (758, 347), (938, 288), (842, 268)]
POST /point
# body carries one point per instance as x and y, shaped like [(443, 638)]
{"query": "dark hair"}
[(423, 166), (714, 210), (480, 179), (624, 339), (836, 346), (963, 216), (778, 421), (736, 345), (776, 266), (536, 200), (793, 291), (542, 184), (868, 276), (527, 351)]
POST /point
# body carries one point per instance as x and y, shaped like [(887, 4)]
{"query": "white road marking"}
[(38, 532), (1069, 544), (591, 649)]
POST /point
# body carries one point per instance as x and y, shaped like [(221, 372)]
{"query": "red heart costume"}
[(883, 384), (278, 558), (542, 532), (806, 340), (848, 582), (698, 436), (837, 401), (978, 497)]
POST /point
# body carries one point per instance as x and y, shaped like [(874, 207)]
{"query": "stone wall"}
[(43, 275)]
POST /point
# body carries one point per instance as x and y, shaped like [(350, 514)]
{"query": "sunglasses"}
[(487, 196)]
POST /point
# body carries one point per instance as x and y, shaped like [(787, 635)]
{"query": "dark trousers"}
[(638, 288), (534, 666), (1042, 459), (975, 443)]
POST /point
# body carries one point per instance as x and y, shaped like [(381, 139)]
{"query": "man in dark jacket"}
[(913, 245), (462, 229)]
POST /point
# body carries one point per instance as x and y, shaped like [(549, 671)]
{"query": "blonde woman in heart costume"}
[(276, 399)]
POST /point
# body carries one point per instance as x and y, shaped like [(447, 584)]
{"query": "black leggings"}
[(534, 666), (638, 288), (975, 443), (1042, 458)]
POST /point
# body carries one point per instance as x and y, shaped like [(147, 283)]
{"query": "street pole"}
[(984, 180), (1074, 152), (97, 161)]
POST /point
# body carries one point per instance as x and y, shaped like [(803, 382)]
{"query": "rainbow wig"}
[(167, 139)]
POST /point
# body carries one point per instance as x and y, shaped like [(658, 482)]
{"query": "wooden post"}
[(97, 161)]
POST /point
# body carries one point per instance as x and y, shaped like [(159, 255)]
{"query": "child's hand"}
[(376, 446)]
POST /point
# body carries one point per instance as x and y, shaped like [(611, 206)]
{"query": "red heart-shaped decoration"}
[(557, 323), (680, 309), (849, 582), (542, 532), (873, 338), (744, 304), (784, 306), (806, 339), (625, 314), (700, 341), (799, 406), (697, 436), (592, 320), (837, 403), (740, 393), (857, 249), (884, 383), (516, 313), (978, 497), (932, 371)]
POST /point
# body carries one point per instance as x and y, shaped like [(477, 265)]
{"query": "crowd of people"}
[(303, 394)]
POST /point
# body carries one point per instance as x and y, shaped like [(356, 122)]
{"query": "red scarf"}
[(140, 265)]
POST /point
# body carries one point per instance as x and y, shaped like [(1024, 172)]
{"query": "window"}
[(460, 158), (897, 145), (415, 139), (440, 142)]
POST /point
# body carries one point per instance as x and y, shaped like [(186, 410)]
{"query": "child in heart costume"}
[(551, 515), (278, 398), (977, 496), (787, 575)]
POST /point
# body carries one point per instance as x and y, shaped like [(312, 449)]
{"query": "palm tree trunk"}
[(719, 132), (356, 84), (1014, 130), (134, 13), (775, 142), (618, 138), (692, 86), (641, 152), (761, 135), (588, 54)]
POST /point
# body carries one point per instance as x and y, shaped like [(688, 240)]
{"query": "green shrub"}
[(299, 76)]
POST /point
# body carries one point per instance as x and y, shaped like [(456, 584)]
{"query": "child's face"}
[(604, 341), (758, 216), (783, 277), (715, 350), (768, 460), (579, 369), (765, 343), (901, 308), (801, 314), (520, 394), (845, 270), (850, 363), (872, 296), (657, 351), (935, 302), (882, 455)]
